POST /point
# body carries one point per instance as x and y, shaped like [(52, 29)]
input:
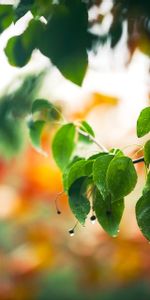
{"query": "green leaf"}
[(78, 201), (63, 145), (48, 110), (147, 153), (79, 169), (37, 8), (6, 16), (67, 169), (35, 131), (19, 48), (40, 105), (143, 122), (121, 177), (23, 7), (16, 53), (108, 213), (87, 129), (64, 39), (94, 156), (100, 167), (143, 214), (147, 185)]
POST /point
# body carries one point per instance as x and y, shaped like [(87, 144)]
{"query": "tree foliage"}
[(65, 34), (99, 182), (62, 31)]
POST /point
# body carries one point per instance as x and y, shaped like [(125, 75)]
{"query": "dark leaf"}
[(115, 33), (6, 16), (23, 7), (19, 48), (65, 37), (100, 167), (67, 169), (143, 214), (108, 214), (78, 201), (79, 169)]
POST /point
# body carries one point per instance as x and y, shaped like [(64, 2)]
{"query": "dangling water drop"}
[(114, 236), (71, 232), (93, 219)]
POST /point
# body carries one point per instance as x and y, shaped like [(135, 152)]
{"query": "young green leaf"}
[(108, 214), (48, 110), (121, 177), (85, 127), (147, 153), (63, 145), (100, 167), (78, 201), (35, 131), (143, 214), (40, 105), (143, 122)]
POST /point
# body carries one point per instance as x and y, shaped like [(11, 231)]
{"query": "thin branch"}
[(138, 160), (101, 147), (56, 202)]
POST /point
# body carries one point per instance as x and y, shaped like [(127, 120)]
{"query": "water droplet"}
[(93, 219), (114, 236), (71, 232), (118, 230)]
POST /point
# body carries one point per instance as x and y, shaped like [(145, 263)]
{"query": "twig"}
[(138, 160), (56, 202), (101, 147)]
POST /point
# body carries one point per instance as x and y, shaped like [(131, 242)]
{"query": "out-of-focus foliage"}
[(37, 259), (66, 33), (63, 32), (14, 106)]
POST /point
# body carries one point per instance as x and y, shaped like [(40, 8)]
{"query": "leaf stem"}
[(100, 146), (138, 160)]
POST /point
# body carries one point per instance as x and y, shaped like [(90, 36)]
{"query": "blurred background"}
[(38, 258)]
